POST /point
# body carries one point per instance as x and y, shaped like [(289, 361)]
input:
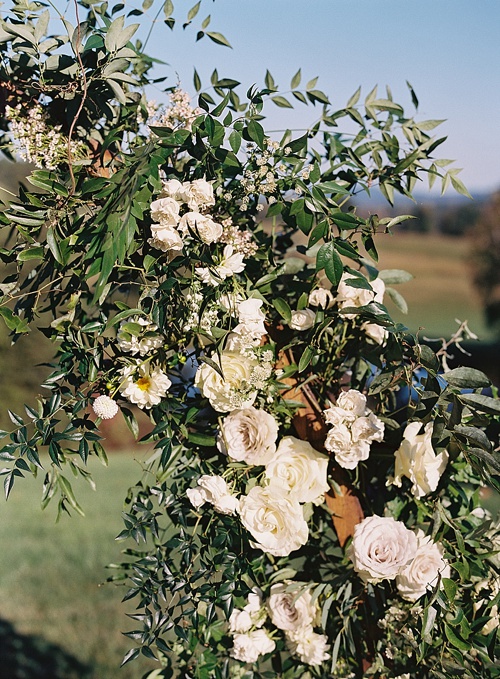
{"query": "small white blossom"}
[(105, 407), (144, 385)]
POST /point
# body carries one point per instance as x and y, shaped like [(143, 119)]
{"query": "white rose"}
[(349, 296), (165, 238), (274, 519), (368, 428), (249, 311), (215, 491), (248, 647), (249, 435), (172, 189), (198, 193), (375, 332), (350, 405), (381, 548), (253, 614), (289, 612), (208, 230), (231, 263), (309, 646), (302, 320), (417, 460), (165, 211), (300, 469), (321, 297), (347, 455), (422, 573), (231, 391)]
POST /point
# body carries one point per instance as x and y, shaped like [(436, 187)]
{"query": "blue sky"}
[(448, 49)]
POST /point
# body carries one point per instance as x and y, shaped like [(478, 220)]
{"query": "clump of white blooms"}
[(254, 614), (105, 407), (417, 460), (241, 241), (354, 427), (230, 263), (143, 384), (214, 490), (37, 141), (178, 115), (349, 295), (144, 342), (248, 647)]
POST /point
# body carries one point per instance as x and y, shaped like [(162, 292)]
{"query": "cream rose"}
[(309, 646), (321, 297), (165, 238), (248, 647), (381, 548), (349, 296), (417, 460), (249, 435), (300, 469), (165, 211), (208, 230), (172, 189), (422, 573), (231, 391), (375, 332), (251, 319), (198, 193), (302, 320), (288, 611), (213, 489), (274, 519)]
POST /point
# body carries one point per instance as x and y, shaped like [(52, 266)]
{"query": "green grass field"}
[(57, 619), (442, 287)]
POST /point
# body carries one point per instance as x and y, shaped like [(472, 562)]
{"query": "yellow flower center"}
[(143, 383)]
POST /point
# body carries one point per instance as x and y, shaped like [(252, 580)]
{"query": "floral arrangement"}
[(312, 507)]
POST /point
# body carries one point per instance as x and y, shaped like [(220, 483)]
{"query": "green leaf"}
[(196, 81), (235, 140), (395, 276), (193, 11), (256, 133), (467, 378), (32, 253), (66, 488), (354, 99), (132, 424), (283, 309), (459, 186), (296, 80), (476, 436), (455, 640), (484, 404), (201, 439), (168, 8), (306, 358), (219, 39), (398, 300), (329, 259), (281, 101), (450, 587)]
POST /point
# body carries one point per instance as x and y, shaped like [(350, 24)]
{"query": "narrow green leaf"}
[(283, 309), (193, 11), (281, 102), (296, 80), (398, 300), (219, 39)]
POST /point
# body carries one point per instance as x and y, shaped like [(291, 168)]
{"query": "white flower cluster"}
[(146, 341), (353, 429), (170, 225), (295, 475), (179, 115), (384, 549), (350, 296), (417, 460), (291, 611), (37, 142), (486, 592)]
